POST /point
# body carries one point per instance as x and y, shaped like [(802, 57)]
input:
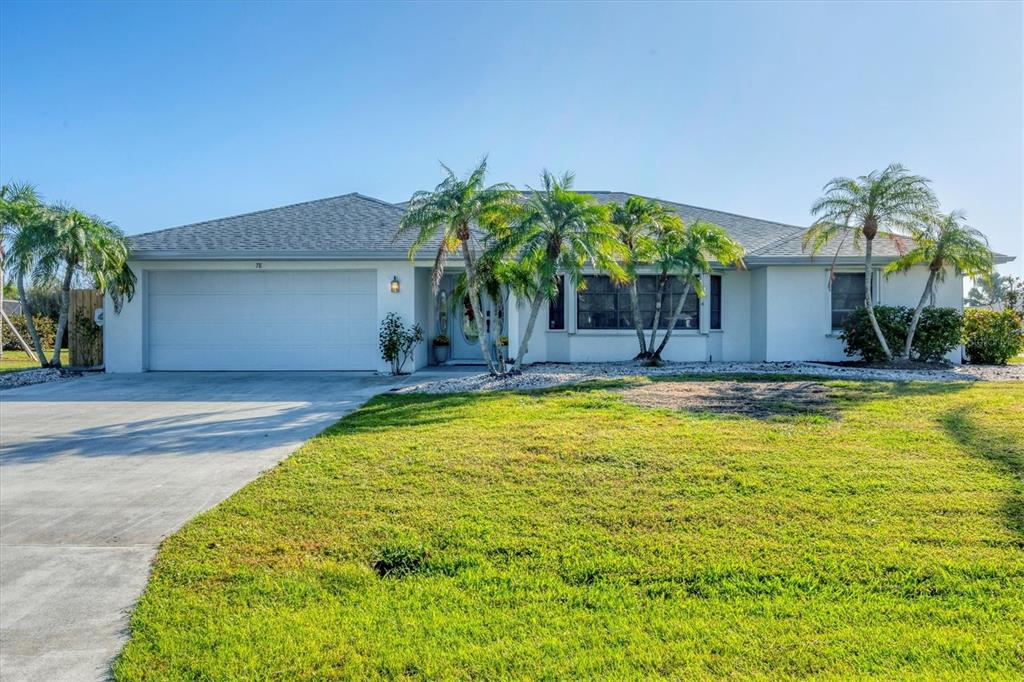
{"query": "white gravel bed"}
[(27, 377), (554, 374)]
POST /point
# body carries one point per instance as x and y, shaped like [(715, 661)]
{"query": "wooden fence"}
[(85, 337)]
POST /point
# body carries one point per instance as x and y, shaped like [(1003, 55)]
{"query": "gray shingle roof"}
[(336, 226), (353, 225), (753, 233), (884, 249), (792, 247)]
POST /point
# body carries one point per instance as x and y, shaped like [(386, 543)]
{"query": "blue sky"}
[(154, 115)]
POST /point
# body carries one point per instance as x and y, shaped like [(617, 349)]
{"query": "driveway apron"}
[(96, 471)]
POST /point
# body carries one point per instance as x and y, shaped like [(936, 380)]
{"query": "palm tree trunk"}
[(499, 312), (474, 304), (29, 322), (659, 296), (638, 324), (917, 315), (65, 306), (524, 345), (869, 302), (676, 312)]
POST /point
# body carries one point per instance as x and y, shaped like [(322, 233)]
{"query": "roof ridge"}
[(389, 204), (269, 210), (700, 208)]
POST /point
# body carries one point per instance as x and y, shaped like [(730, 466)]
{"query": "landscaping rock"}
[(33, 376), (554, 374)]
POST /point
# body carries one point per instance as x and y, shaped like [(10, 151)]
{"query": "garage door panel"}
[(349, 283), (347, 307), (268, 320), (296, 335), (169, 308)]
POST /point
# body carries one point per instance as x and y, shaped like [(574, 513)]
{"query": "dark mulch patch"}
[(761, 400)]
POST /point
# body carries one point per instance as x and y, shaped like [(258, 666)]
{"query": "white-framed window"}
[(601, 305), (846, 294)]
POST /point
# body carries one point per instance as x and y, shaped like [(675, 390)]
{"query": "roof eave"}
[(161, 254), (813, 260)]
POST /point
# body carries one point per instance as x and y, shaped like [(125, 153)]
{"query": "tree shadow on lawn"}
[(783, 397), (1004, 450), (391, 410), (776, 397)]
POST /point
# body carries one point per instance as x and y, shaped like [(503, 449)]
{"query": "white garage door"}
[(263, 320)]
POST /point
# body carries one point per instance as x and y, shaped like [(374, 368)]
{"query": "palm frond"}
[(947, 242)]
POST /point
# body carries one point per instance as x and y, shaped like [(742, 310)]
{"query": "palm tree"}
[(988, 291), (636, 221), (879, 203), (495, 274), (687, 254), (559, 232), (943, 241), (19, 206), (65, 244), (450, 212)]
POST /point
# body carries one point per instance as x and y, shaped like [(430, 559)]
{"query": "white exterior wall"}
[(425, 316), (735, 336), (124, 334), (588, 345), (798, 308), (759, 315), (774, 313)]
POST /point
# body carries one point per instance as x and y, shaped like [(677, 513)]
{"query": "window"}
[(847, 296), (716, 302), (556, 307), (602, 305)]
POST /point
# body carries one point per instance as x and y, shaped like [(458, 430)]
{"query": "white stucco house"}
[(305, 286)]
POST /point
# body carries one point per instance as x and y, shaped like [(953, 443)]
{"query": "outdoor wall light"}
[(395, 286)]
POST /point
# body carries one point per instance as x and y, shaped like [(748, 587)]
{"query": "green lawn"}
[(14, 360), (568, 534)]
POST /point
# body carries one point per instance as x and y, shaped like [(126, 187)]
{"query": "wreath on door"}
[(468, 321)]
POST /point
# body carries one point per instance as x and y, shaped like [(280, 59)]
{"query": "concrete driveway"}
[(96, 471)]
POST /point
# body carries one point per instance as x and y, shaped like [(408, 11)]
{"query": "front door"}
[(461, 327)]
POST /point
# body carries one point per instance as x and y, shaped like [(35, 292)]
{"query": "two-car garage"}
[(297, 287), (261, 319)]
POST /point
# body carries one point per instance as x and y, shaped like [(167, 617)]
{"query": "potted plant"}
[(441, 346)]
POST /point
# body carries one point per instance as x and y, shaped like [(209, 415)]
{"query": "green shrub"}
[(397, 342), (859, 338), (938, 332), (992, 337), (44, 325)]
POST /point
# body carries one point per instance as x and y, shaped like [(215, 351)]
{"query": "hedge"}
[(992, 337), (44, 325), (938, 332)]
